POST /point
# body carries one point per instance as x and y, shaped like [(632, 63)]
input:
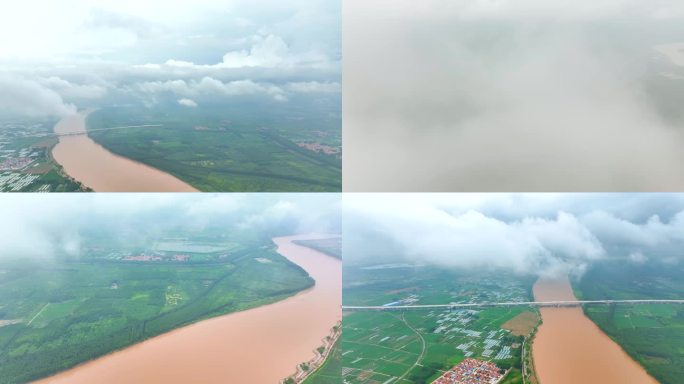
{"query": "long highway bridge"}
[(77, 133), (454, 306)]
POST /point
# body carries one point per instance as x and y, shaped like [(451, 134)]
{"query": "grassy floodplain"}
[(418, 346), (652, 334), (229, 148), (64, 312)]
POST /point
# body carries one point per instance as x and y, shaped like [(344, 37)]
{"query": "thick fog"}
[(46, 227), (539, 234), (79, 54), (517, 95)]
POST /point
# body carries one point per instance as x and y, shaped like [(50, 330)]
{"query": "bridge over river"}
[(454, 306), (85, 132)]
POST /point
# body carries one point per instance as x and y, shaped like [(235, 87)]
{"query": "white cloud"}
[(428, 234), (525, 9), (209, 86), (33, 226), (637, 257), (520, 104), (427, 229), (94, 51), (29, 98), (70, 90), (187, 103), (314, 87), (172, 63), (268, 51)]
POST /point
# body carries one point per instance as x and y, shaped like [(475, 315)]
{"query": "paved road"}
[(574, 303), (76, 133)]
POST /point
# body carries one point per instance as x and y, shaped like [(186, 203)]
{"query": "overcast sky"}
[(512, 95), (542, 234), (58, 56)]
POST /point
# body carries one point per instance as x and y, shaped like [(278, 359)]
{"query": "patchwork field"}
[(418, 346), (523, 324)]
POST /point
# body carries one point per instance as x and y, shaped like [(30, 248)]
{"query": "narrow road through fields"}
[(39, 312), (422, 352)]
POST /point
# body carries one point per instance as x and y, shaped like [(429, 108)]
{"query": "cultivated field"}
[(228, 148), (418, 346), (75, 310), (652, 334)]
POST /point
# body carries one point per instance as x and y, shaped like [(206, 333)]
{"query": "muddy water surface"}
[(569, 348), (94, 166), (261, 345)]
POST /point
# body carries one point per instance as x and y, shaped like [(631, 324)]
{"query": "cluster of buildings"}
[(13, 159), (320, 148), (15, 163), (471, 371), (156, 256), (167, 251)]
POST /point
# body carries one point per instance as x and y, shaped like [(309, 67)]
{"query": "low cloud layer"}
[(72, 91), (187, 103), (21, 97), (268, 51), (94, 54), (209, 87), (474, 95), (544, 235), (34, 226)]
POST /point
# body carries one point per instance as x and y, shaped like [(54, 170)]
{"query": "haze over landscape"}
[(168, 287), (221, 95), (230, 247), (543, 234), (531, 95), (141, 217), (551, 288)]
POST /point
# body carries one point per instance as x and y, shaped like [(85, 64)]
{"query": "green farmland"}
[(652, 334), (57, 314), (418, 346), (229, 148)]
